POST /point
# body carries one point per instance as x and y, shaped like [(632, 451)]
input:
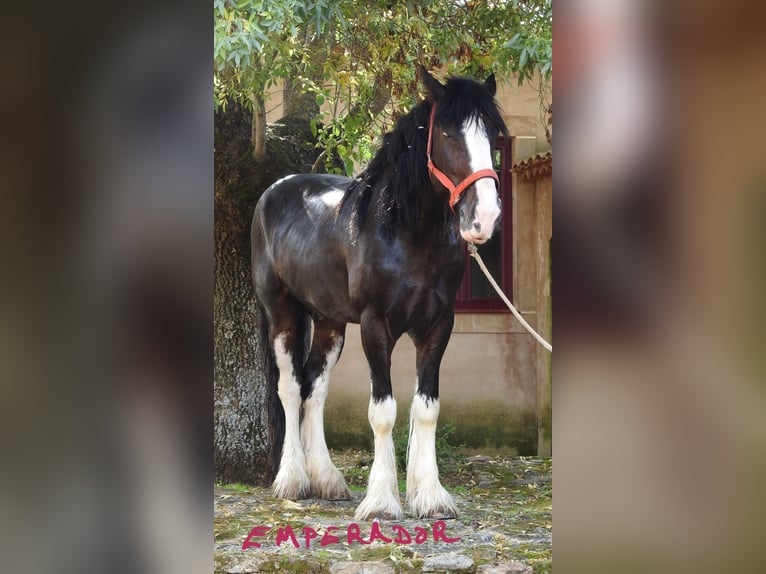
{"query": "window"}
[(476, 293)]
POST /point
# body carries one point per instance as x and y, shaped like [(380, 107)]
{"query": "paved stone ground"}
[(504, 525)]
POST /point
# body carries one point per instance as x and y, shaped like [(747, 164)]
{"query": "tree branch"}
[(259, 126), (319, 159)]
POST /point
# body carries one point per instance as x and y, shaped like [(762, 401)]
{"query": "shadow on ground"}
[(504, 525)]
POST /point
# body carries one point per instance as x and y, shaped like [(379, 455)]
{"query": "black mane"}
[(399, 169)]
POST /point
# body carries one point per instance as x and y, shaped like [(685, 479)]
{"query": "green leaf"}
[(319, 100), (523, 57)]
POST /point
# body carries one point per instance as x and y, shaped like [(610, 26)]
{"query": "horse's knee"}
[(288, 386), (382, 415), (424, 410)]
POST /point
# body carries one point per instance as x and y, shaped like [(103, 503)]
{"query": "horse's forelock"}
[(465, 100)]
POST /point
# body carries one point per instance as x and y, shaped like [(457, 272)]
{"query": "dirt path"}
[(504, 525)]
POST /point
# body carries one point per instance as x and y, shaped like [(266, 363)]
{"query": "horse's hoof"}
[(380, 515), (389, 509), (330, 485), (439, 514), (332, 492), (433, 502), (291, 487), (291, 492)]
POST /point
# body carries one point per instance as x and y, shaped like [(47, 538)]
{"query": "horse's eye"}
[(445, 134)]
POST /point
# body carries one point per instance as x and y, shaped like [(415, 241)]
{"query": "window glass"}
[(492, 255)]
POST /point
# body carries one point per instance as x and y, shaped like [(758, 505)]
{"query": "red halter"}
[(455, 191)]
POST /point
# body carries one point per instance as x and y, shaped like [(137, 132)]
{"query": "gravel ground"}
[(504, 525)]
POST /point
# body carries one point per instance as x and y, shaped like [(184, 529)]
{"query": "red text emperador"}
[(351, 535)]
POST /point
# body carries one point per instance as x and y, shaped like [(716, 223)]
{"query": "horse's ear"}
[(433, 86), (491, 85)]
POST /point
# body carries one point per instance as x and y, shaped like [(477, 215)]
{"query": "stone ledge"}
[(360, 568), (449, 562), (505, 568)]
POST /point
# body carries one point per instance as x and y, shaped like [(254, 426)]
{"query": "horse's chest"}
[(427, 299), (424, 290), (410, 286), (416, 306)]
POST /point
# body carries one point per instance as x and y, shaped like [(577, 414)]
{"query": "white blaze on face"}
[(488, 204)]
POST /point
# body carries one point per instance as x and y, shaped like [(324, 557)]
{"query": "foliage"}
[(359, 58), (531, 47), (258, 42)]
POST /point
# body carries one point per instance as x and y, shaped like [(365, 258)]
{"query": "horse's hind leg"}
[(287, 335), (326, 481)]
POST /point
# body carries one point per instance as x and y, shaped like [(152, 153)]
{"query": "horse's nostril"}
[(477, 226)]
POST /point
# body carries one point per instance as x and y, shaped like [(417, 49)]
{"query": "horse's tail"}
[(275, 414)]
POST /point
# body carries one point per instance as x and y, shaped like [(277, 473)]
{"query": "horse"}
[(382, 250)]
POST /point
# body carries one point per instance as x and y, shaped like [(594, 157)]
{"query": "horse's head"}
[(464, 125)]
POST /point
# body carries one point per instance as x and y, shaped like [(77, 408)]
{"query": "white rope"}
[(475, 254)]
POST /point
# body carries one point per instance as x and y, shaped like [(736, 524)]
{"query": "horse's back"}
[(292, 194), (297, 243)]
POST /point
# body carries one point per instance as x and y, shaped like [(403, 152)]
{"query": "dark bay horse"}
[(382, 250)]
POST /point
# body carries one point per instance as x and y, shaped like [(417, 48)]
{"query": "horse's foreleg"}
[(326, 481), (292, 481), (382, 498), (426, 497)]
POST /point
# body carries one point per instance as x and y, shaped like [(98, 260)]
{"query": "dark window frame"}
[(465, 302)]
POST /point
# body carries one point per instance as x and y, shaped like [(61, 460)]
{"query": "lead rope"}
[(475, 254)]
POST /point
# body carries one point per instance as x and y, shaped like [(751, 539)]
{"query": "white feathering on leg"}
[(382, 498), (426, 497), (327, 482), (292, 481)]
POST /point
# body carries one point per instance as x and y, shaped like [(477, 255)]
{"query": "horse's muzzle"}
[(479, 218)]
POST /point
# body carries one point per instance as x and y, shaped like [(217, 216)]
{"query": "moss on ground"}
[(505, 506)]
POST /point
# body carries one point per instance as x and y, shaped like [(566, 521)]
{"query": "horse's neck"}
[(433, 211), (432, 221), (435, 230), (432, 203)]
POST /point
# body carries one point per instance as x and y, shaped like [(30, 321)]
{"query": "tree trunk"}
[(299, 104), (240, 442), (240, 416), (240, 392)]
